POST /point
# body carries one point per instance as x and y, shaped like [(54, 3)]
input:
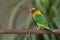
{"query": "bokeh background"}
[(14, 14)]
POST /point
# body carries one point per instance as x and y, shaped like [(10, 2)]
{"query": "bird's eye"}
[(33, 8)]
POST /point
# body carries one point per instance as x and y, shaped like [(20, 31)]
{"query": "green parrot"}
[(40, 19)]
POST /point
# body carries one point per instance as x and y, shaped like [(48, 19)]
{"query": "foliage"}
[(48, 8)]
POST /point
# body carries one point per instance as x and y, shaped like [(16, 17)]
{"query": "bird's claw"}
[(37, 29)]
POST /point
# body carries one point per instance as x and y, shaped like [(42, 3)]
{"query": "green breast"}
[(41, 19)]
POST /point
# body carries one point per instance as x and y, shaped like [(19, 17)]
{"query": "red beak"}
[(30, 10)]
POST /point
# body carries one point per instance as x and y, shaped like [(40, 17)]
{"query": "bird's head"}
[(35, 11), (32, 10)]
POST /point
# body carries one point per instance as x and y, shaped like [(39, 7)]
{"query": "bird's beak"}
[(30, 10)]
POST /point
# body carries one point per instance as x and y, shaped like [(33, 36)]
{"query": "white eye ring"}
[(33, 8)]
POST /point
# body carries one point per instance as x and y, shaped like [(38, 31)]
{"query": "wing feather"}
[(41, 19)]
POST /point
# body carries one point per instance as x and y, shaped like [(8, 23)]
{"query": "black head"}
[(31, 10)]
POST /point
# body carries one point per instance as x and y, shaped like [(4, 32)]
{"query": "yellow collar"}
[(37, 12)]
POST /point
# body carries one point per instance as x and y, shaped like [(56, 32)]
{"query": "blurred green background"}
[(14, 14)]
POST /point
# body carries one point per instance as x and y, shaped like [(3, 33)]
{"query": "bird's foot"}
[(37, 29), (40, 28)]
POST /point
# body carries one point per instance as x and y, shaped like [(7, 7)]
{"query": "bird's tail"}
[(52, 30)]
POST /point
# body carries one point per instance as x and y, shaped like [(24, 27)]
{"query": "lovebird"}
[(40, 20)]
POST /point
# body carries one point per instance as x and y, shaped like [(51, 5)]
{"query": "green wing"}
[(41, 21)]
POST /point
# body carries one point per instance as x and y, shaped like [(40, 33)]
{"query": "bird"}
[(40, 19)]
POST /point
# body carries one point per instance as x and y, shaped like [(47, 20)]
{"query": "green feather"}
[(42, 22)]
